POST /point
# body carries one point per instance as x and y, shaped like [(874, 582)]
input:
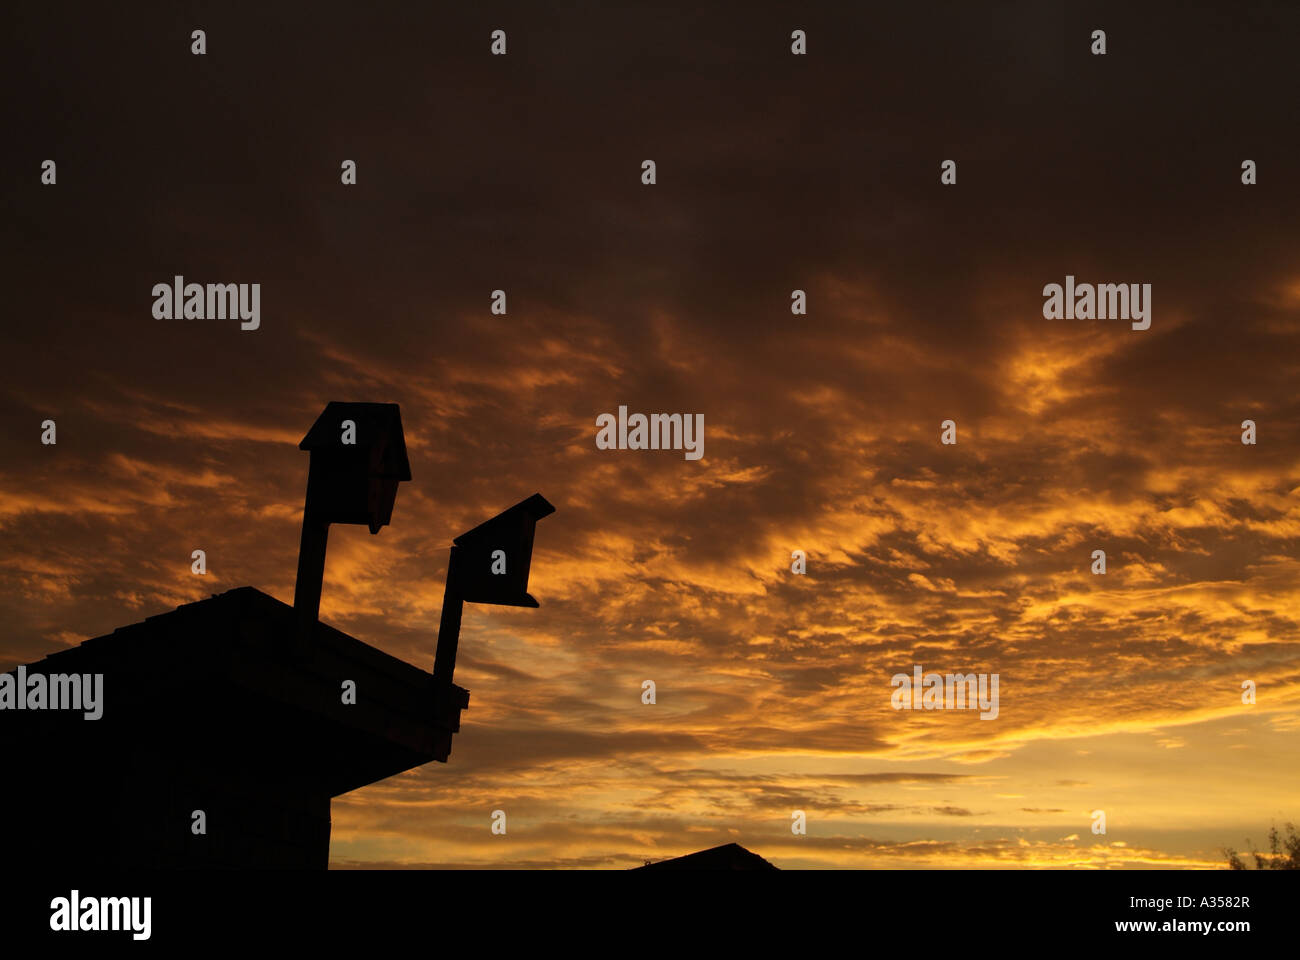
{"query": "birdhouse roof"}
[(379, 431), (526, 511)]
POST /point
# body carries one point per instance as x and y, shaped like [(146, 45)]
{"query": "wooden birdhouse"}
[(358, 457), (489, 564)]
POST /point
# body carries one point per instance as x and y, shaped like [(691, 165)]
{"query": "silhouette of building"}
[(729, 856), (242, 714), (212, 707)]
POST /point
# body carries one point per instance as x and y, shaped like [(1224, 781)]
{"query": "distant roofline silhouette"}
[(729, 856)]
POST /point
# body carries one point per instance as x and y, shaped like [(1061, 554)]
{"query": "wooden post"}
[(311, 572), (444, 658)]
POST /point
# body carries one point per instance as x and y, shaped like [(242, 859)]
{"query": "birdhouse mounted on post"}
[(489, 564), (358, 457)]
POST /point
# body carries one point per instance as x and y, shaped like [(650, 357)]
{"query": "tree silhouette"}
[(1284, 852)]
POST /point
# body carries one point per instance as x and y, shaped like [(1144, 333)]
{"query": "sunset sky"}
[(775, 172)]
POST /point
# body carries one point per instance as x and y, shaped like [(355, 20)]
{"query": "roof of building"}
[(729, 856), (226, 682)]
